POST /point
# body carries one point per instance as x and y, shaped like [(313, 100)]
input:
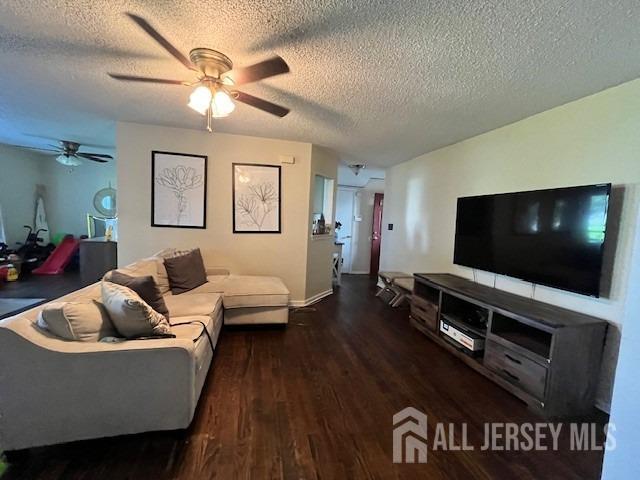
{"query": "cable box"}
[(469, 340)]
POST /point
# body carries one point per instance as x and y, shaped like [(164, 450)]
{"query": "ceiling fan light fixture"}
[(356, 167), (222, 105), (200, 99), (68, 160)]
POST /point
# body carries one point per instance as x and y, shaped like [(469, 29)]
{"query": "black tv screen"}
[(549, 237)]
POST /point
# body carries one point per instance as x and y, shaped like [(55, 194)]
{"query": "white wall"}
[(623, 461), (19, 175), (68, 194), (592, 140), (283, 255)]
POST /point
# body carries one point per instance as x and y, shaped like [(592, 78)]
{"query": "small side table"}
[(337, 264)]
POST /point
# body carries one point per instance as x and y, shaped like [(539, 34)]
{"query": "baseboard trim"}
[(311, 300), (359, 272)]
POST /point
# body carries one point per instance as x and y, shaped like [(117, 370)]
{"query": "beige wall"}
[(592, 140), (283, 255), (319, 254)]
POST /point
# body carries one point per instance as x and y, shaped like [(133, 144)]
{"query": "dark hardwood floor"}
[(40, 286), (315, 400)]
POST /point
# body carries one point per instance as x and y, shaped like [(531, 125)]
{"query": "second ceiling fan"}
[(216, 78)]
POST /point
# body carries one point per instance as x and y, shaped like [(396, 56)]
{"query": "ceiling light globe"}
[(200, 99), (68, 160), (222, 105)]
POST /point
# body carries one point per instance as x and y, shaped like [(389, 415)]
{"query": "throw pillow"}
[(130, 314), (83, 321), (186, 271), (146, 287), (161, 275)]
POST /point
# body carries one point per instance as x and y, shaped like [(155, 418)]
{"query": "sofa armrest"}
[(56, 391)]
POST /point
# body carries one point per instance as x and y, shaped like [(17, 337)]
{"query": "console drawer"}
[(424, 312), (516, 369)]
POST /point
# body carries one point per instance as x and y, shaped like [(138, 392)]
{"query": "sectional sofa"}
[(54, 390)]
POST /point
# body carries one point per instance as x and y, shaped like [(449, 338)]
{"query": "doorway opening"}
[(359, 213)]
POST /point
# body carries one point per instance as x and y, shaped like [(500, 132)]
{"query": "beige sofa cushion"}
[(214, 284), (191, 329), (162, 277), (404, 283), (131, 316), (192, 304), (254, 291), (194, 331), (85, 321)]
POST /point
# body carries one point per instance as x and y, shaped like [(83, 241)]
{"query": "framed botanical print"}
[(256, 198), (178, 190)]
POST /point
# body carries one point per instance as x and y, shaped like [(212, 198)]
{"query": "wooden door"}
[(376, 235)]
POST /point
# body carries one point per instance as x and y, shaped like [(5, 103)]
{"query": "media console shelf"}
[(547, 356)]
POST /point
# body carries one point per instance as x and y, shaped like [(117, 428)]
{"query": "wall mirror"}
[(104, 202)]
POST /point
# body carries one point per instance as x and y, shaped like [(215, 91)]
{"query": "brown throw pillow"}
[(146, 287), (185, 272)]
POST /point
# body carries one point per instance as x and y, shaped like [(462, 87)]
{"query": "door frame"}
[(377, 197)]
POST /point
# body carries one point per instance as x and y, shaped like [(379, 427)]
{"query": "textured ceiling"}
[(378, 81)]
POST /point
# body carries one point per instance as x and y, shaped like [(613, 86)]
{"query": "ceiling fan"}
[(214, 94), (68, 154)]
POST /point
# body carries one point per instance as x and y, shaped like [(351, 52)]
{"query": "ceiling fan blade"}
[(88, 156), (99, 155), (146, 26), (261, 104), (133, 78), (32, 148), (268, 68)]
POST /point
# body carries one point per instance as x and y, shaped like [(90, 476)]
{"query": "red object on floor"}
[(59, 258)]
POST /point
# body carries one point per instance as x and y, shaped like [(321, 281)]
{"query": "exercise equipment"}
[(32, 252)]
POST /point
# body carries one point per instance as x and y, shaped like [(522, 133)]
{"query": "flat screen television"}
[(549, 237)]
